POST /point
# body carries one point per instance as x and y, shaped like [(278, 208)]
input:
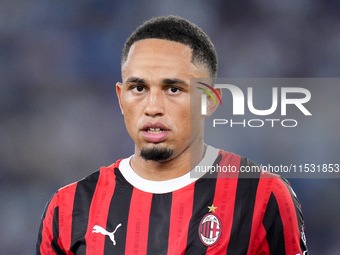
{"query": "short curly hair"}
[(177, 29)]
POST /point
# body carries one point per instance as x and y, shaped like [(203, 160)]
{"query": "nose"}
[(154, 104)]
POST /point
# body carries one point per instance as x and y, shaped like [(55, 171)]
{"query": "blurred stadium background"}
[(60, 120)]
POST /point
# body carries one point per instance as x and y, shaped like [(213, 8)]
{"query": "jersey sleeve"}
[(48, 236), (284, 222), (55, 229)]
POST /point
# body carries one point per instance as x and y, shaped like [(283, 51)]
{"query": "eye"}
[(138, 89), (174, 90)]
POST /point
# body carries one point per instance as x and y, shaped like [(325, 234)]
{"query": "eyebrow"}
[(167, 81), (135, 80), (174, 81)]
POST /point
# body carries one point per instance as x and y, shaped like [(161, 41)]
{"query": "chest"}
[(200, 219)]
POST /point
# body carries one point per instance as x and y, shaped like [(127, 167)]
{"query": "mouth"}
[(154, 127), (155, 132)]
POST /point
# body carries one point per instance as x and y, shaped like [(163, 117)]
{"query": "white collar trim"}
[(161, 187)]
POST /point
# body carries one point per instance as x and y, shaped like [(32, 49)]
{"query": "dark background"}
[(60, 119)]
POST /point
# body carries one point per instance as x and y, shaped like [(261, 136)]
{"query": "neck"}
[(176, 166)]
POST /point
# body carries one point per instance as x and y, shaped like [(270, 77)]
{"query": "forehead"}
[(158, 47), (153, 55)]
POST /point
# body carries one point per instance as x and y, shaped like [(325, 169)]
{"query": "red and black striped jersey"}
[(114, 211)]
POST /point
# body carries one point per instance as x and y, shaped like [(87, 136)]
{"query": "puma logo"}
[(101, 230)]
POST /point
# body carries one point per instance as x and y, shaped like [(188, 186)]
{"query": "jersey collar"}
[(161, 187)]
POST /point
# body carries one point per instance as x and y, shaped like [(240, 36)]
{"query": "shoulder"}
[(86, 185), (249, 172), (283, 195), (244, 163)]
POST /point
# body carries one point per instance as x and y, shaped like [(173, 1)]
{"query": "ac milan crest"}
[(210, 229)]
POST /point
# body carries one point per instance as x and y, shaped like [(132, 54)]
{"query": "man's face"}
[(155, 98)]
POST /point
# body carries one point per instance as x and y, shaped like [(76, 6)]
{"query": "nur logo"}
[(204, 97)]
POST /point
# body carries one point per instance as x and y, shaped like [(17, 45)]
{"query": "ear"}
[(211, 105), (119, 90)]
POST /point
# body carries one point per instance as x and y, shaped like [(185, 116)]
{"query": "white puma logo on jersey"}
[(101, 230)]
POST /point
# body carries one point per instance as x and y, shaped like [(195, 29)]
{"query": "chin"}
[(156, 153)]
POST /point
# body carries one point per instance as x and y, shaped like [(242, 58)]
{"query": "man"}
[(147, 203)]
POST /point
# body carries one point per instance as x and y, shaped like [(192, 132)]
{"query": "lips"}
[(155, 132)]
